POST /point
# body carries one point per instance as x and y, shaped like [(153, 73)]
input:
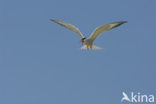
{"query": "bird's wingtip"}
[(125, 21), (51, 19)]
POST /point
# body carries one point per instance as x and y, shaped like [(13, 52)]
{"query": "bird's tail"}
[(94, 47)]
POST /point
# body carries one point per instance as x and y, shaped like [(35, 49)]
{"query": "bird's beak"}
[(82, 41)]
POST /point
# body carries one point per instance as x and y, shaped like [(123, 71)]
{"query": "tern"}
[(88, 42)]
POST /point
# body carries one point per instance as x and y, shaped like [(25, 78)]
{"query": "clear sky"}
[(41, 63)]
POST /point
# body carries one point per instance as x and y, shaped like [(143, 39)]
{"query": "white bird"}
[(88, 42), (125, 97)]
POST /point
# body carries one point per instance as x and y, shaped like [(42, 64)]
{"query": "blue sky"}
[(41, 63)]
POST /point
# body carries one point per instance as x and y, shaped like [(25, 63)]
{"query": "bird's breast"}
[(88, 41)]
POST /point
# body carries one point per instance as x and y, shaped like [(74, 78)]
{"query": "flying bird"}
[(88, 42)]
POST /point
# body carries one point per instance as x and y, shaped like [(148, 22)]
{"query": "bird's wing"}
[(105, 28), (69, 26)]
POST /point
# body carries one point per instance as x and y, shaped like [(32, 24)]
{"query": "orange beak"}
[(82, 40)]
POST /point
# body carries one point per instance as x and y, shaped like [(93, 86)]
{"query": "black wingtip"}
[(119, 23), (52, 20), (124, 21)]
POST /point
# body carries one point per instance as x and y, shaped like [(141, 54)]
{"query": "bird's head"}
[(82, 40)]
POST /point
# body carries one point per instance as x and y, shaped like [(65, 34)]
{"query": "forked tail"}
[(94, 47)]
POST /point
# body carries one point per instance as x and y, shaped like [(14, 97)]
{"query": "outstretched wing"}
[(105, 28), (69, 26)]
